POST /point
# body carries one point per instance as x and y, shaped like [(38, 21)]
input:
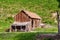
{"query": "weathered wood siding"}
[(21, 17), (37, 22)]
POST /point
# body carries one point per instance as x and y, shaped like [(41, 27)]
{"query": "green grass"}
[(21, 35), (17, 36), (52, 29)]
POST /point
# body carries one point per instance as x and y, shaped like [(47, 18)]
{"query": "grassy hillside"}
[(9, 8)]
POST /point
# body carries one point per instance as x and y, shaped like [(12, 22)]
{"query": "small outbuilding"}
[(25, 21)]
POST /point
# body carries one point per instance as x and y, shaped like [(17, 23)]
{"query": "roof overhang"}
[(21, 23)]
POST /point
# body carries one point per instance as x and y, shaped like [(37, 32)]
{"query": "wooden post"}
[(10, 29), (15, 29), (58, 19), (59, 26)]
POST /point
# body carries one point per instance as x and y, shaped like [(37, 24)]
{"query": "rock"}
[(42, 25)]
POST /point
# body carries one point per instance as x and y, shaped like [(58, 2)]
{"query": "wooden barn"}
[(25, 21)]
